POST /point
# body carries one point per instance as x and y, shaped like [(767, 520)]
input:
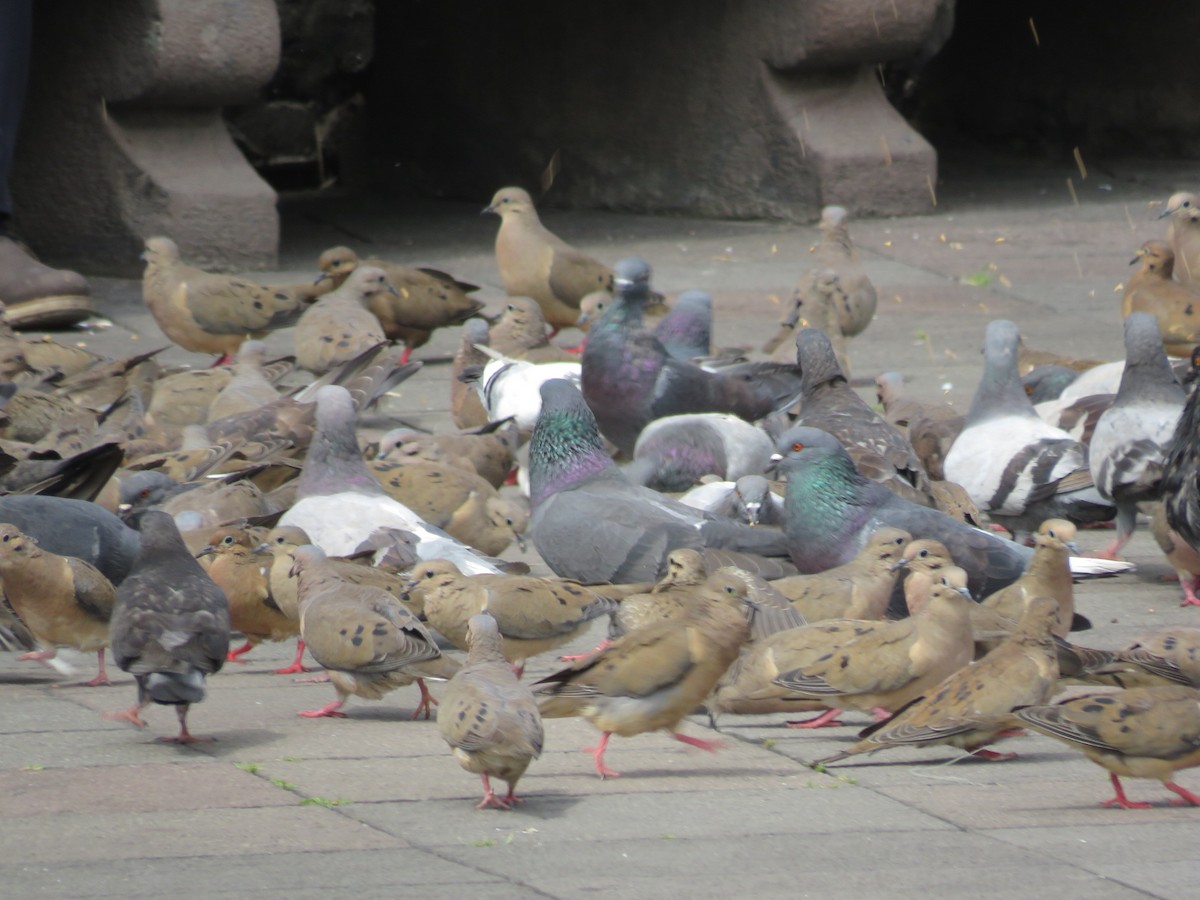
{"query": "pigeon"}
[(535, 263), (466, 406), (508, 388), (209, 313), (675, 452), (1181, 475), (652, 677), (75, 528), (686, 331), (170, 626), (249, 388), (1183, 234), (750, 499), (829, 403), (423, 300), (62, 601), (520, 333), (1149, 732), (1016, 467), (488, 718), (592, 525), (339, 327), (1048, 382), (1175, 305), (629, 379), (830, 510), (1128, 449)]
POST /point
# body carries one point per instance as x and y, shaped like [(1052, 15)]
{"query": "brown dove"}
[(466, 407), (249, 388), (535, 263), (520, 333), (652, 677), (489, 719), (367, 639), (973, 707), (489, 453), (1139, 733), (668, 599), (876, 666), (62, 601), (241, 572), (209, 313), (836, 251), (339, 326), (1048, 575), (815, 303), (424, 299), (859, 589), (1175, 304), (1183, 234), (534, 615), (1182, 558)]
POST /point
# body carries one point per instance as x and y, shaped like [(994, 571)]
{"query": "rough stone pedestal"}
[(122, 136), (719, 107)]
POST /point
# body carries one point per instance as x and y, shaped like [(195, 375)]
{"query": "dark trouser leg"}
[(16, 34)]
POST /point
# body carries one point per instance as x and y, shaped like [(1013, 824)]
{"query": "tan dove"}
[(466, 407), (339, 326), (816, 302), (62, 601), (488, 453), (242, 573), (489, 719), (875, 666), (424, 299), (930, 564), (836, 251), (859, 589), (668, 599), (209, 313), (652, 677), (1175, 304), (520, 333), (1183, 234), (534, 615), (973, 707), (535, 263), (367, 639), (1139, 733), (1048, 575), (1182, 558), (249, 388)]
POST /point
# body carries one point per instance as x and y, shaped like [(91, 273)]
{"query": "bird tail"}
[(174, 687)]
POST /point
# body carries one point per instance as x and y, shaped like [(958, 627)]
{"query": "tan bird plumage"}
[(339, 326), (1183, 234), (1175, 304), (242, 573), (520, 333), (1182, 558), (1048, 575)]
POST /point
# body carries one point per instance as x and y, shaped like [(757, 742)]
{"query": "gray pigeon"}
[(749, 499), (170, 626), (591, 524), (686, 331), (830, 404), (1019, 469), (1129, 446), (75, 528), (675, 452), (629, 379)]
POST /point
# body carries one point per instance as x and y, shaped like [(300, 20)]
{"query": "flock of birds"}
[(767, 543)]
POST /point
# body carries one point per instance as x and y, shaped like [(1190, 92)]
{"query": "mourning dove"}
[(973, 707), (534, 615), (423, 300), (170, 626), (249, 388), (209, 313), (101, 385), (860, 589), (339, 326), (242, 573), (668, 599), (489, 719), (1139, 733), (1182, 558), (654, 676), (1174, 304), (1169, 655), (466, 406), (61, 600), (220, 500), (370, 643), (535, 263), (818, 301), (488, 452), (1048, 575), (875, 666), (1183, 234), (835, 250), (520, 333), (928, 563)]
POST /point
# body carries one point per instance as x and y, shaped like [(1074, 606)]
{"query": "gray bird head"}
[(631, 273), (799, 438)]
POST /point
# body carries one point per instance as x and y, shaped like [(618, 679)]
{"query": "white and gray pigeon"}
[(508, 388), (341, 503), (1129, 446), (675, 452), (1019, 469), (591, 524)]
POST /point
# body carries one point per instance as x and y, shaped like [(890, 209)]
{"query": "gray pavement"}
[(374, 805)]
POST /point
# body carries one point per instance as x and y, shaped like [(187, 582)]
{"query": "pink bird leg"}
[(1121, 800), (827, 719), (598, 752), (296, 666)]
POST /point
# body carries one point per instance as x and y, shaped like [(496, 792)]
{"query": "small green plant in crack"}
[(324, 801), (249, 767), (283, 784)]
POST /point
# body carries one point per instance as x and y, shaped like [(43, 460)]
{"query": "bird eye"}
[(144, 492), (6, 537), (798, 446), (922, 553), (227, 540)]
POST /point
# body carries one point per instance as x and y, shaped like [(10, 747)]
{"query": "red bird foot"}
[(330, 710), (1186, 797), (233, 655), (225, 360), (126, 715), (1189, 592), (296, 667), (992, 755), (491, 799), (1121, 800), (598, 752), (427, 701), (575, 657), (710, 746), (827, 719)]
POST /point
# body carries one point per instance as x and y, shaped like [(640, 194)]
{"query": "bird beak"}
[(322, 277), (1073, 547), (144, 256), (124, 507), (1135, 260), (1166, 212), (391, 289), (520, 541), (205, 550), (622, 282), (261, 548), (490, 208), (776, 458), (966, 592), (898, 565), (582, 320), (753, 511)]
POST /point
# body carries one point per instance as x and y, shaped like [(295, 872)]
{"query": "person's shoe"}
[(36, 296)]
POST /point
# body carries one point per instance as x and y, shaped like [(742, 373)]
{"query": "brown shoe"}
[(37, 296)]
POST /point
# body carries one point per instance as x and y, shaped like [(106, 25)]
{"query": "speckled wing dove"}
[(818, 301), (489, 719), (1175, 305), (423, 301), (520, 333), (488, 452), (61, 600), (668, 598), (243, 574), (170, 626), (339, 326), (652, 677), (1138, 733), (535, 263), (973, 707), (370, 643), (1048, 575), (1183, 234), (209, 313), (836, 251), (249, 388)]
